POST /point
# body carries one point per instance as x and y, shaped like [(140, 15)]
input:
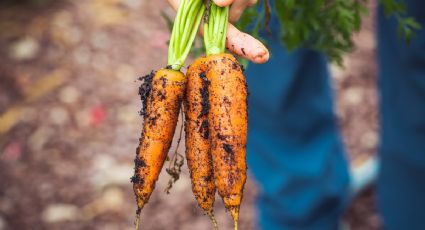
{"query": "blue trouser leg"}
[(294, 148), (401, 183)]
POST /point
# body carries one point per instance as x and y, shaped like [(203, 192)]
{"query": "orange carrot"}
[(163, 92), (228, 118), (228, 128), (197, 137)]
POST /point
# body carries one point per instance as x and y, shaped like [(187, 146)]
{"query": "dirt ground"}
[(69, 122)]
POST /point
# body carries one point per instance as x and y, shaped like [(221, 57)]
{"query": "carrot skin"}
[(197, 136), (160, 113), (228, 128)]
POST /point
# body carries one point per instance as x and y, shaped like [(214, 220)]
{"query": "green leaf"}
[(325, 25), (411, 22)]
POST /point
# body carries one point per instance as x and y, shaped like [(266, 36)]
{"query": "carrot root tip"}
[(213, 220), (234, 211), (137, 220)]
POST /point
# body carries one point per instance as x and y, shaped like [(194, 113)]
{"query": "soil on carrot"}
[(205, 95), (144, 91), (68, 73)]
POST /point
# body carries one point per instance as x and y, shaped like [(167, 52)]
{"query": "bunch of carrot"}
[(214, 95)]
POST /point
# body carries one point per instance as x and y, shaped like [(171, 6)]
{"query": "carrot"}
[(228, 128), (162, 107), (227, 116), (197, 137), (162, 93)]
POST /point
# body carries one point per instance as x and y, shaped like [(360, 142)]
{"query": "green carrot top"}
[(188, 19)]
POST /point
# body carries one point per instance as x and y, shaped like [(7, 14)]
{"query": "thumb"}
[(223, 3)]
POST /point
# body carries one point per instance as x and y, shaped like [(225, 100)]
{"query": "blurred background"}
[(69, 122)]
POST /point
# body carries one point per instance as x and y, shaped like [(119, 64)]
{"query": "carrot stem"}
[(185, 27), (192, 13), (215, 29)]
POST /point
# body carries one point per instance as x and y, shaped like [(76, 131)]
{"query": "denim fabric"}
[(401, 183), (294, 146)]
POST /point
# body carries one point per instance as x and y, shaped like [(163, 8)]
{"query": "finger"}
[(237, 9), (223, 3), (246, 46)]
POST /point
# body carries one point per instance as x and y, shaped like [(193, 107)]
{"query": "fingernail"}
[(223, 3)]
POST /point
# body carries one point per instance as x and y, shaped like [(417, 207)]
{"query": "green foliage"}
[(185, 27), (198, 46), (215, 29), (323, 25), (406, 26)]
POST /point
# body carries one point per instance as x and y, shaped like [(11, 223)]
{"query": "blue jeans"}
[(295, 150), (401, 183)]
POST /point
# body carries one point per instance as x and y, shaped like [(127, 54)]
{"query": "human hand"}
[(237, 8), (238, 42)]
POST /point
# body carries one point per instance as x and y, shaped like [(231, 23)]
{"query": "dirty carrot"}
[(197, 137), (162, 93), (228, 129), (162, 106), (227, 112)]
